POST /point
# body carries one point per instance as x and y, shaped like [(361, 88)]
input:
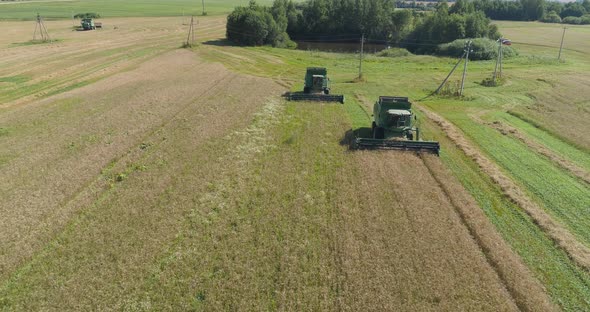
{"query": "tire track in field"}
[(112, 223), (100, 56), (525, 290), (91, 190), (406, 246), (577, 251), (88, 68)]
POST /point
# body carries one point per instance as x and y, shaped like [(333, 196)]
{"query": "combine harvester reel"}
[(316, 88), (393, 129)]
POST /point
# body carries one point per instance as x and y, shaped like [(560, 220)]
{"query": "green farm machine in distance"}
[(316, 87), (393, 128), (89, 24)]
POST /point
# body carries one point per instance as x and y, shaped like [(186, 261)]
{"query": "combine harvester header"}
[(393, 128), (316, 88)]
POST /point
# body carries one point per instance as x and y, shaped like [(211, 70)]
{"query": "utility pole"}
[(42, 30), (467, 50), (361, 56), (203, 1), (191, 34), (498, 60), (501, 57), (449, 75), (561, 45)]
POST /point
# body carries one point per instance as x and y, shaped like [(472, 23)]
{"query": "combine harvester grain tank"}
[(393, 128), (316, 88)]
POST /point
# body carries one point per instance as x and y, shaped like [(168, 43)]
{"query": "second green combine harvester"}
[(89, 24), (393, 128), (316, 88)]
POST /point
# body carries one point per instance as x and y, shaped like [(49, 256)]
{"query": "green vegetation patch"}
[(562, 195), (568, 284), (4, 131), (35, 42), (483, 49), (18, 79), (394, 52), (557, 145)]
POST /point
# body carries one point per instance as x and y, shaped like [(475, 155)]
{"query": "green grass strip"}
[(567, 284)]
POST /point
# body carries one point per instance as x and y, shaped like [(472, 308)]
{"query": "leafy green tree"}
[(400, 24), (533, 9), (247, 26), (551, 17), (462, 7), (259, 25), (573, 9), (572, 20), (87, 15), (554, 6), (444, 26), (501, 9)]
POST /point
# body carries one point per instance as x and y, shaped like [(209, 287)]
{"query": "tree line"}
[(535, 10), (347, 20)]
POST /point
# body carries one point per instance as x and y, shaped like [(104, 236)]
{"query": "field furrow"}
[(95, 131)]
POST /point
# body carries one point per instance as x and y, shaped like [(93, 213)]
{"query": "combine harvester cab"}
[(316, 88), (393, 128)]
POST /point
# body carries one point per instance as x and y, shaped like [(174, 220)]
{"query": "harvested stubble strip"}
[(406, 248), (527, 292), (562, 162), (579, 253)]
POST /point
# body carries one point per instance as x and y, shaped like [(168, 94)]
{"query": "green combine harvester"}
[(316, 88), (393, 128), (89, 24)]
